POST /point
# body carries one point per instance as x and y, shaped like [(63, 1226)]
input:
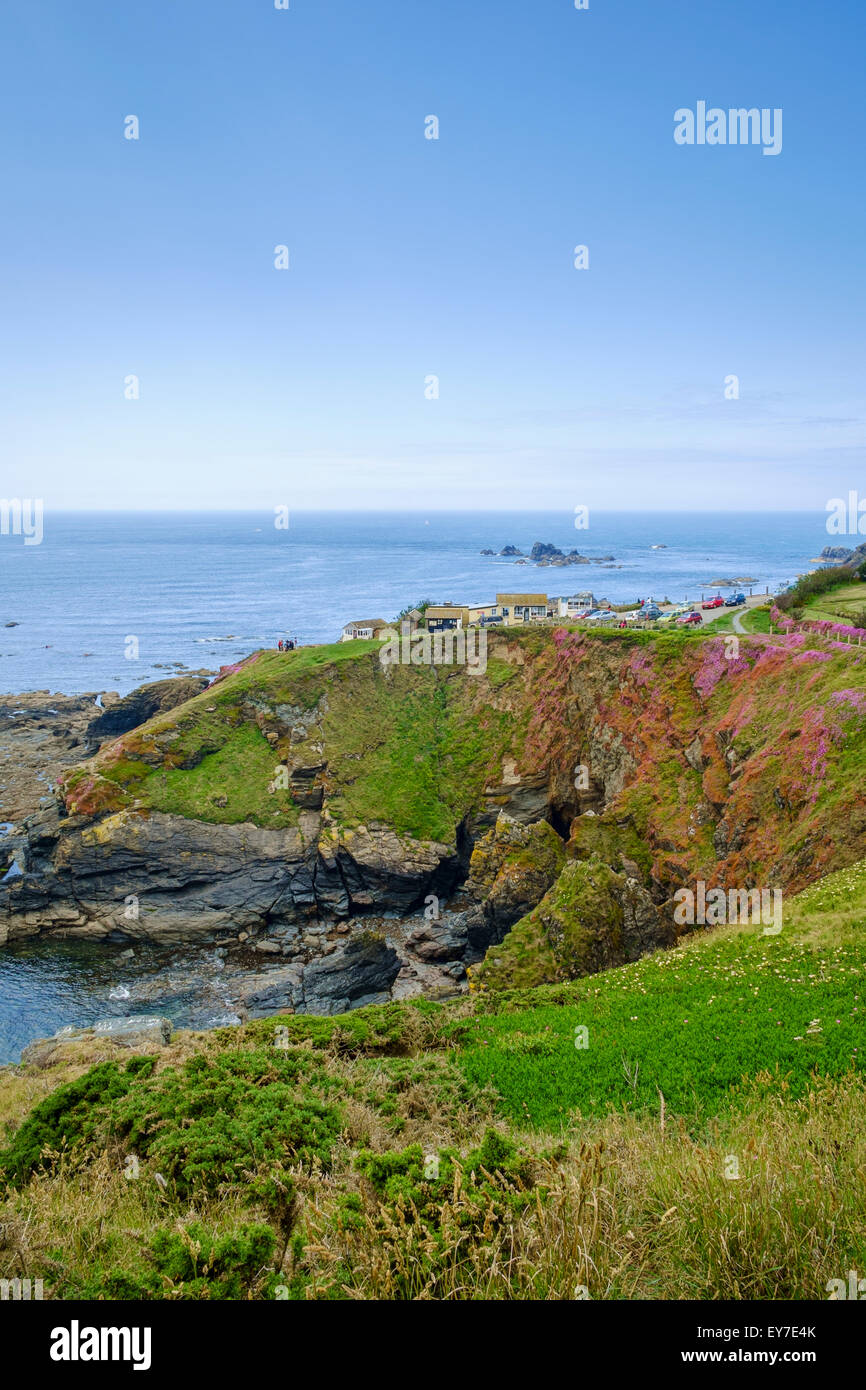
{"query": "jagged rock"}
[(694, 754), (439, 940), (543, 549), (361, 974), (524, 796), (591, 919), (511, 869)]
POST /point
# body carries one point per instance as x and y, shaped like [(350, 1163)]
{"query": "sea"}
[(109, 600)]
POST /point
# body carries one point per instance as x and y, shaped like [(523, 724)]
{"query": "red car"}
[(717, 602), (687, 619)]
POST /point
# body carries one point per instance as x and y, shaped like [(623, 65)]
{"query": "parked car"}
[(689, 619), (735, 600), (651, 611), (715, 602)]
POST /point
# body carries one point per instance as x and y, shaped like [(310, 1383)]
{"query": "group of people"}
[(285, 644)]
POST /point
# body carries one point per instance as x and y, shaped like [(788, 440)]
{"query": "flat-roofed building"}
[(571, 604)]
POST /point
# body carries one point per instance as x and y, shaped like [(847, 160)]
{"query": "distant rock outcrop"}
[(843, 555), (545, 553)]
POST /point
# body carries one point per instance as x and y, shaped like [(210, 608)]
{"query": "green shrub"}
[(69, 1117), (192, 1263), (217, 1122)]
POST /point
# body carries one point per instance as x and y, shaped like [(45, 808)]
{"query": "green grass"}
[(757, 619), (239, 773), (691, 1023), (753, 620), (296, 1163), (413, 751), (842, 605)]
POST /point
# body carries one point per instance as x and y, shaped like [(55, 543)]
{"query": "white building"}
[(572, 604), (363, 630)]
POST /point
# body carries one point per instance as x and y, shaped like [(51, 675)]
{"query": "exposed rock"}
[(543, 549), (40, 735), (361, 974), (140, 705), (138, 1032), (511, 869)]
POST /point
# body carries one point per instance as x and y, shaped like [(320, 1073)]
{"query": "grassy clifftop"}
[(699, 752), (412, 749)]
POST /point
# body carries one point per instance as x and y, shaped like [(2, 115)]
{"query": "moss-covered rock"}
[(512, 867), (592, 918), (617, 842)]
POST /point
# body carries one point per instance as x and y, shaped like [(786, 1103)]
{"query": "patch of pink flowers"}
[(855, 699), (715, 664)]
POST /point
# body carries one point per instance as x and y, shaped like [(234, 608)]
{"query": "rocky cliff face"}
[(318, 785)]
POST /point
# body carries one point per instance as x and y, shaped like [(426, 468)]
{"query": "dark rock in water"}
[(841, 555), (142, 704), (11, 624), (362, 974), (544, 553), (486, 552), (510, 550)]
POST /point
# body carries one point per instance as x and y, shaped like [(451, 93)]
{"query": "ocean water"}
[(47, 984), (203, 589)]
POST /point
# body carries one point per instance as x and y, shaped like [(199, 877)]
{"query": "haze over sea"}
[(203, 589)]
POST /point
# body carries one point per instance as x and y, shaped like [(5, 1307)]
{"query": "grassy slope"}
[(753, 620), (844, 604), (689, 1023), (707, 1143), (413, 749)]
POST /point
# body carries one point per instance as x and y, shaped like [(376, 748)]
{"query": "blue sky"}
[(412, 257)]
